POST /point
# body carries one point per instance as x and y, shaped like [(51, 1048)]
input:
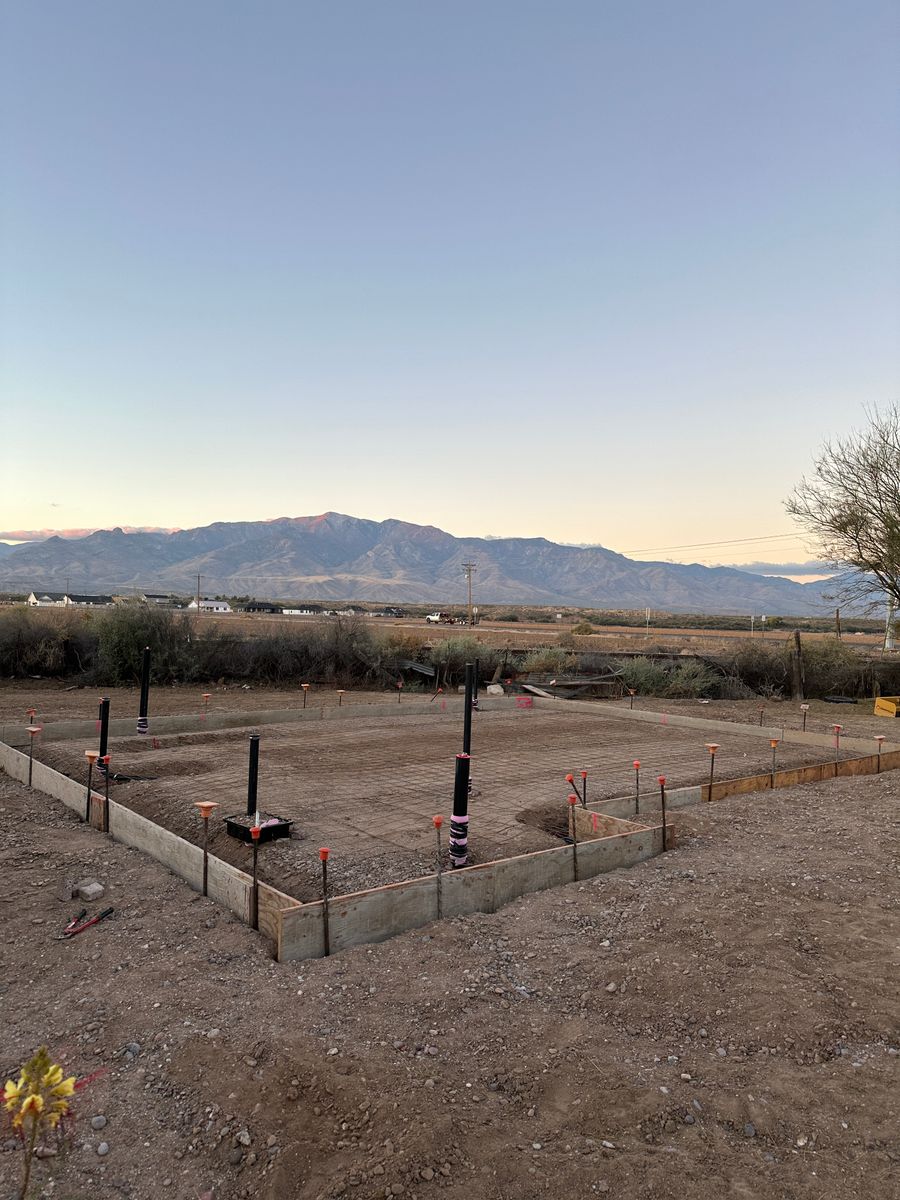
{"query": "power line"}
[(772, 537)]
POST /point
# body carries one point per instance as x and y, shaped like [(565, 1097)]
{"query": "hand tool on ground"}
[(71, 932), (75, 921)]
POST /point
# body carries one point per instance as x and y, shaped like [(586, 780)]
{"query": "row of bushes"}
[(105, 649), (829, 668)]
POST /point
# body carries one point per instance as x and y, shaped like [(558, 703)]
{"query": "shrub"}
[(644, 676), (583, 628), (122, 634), (549, 660), (45, 642)]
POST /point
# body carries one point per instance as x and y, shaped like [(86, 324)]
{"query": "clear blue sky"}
[(587, 270)]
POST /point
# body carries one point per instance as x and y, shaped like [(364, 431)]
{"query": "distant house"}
[(47, 599), (213, 606), (156, 598), (261, 606), (86, 601), (308, 610), (67, 600)]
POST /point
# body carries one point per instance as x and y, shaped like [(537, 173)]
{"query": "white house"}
[(67, 600), (47, 599), (211, 606)]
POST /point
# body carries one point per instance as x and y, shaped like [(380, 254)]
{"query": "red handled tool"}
[(74, 927)]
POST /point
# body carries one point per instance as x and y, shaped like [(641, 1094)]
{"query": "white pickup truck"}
[(440, 618)]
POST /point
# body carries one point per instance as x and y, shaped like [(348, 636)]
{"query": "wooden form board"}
[(607, 824), (381, 913), (844, 768)]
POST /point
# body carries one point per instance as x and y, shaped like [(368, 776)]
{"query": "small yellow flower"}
[(33, 1104), (12, 1092), (65, 1087), (52, 1077)]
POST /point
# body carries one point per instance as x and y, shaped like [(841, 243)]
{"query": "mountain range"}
[(337, 557)]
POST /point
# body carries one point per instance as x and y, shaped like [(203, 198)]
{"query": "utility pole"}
[(198, 595), (469, 568)]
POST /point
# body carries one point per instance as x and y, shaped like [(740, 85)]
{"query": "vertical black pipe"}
[(475, 684), (143, 725), (253, 774), (104, 733), (467, 714), (459, 821)]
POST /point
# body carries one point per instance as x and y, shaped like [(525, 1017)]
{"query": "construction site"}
[(594, 950)]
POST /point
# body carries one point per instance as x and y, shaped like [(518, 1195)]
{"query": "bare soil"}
[(721, 1021)]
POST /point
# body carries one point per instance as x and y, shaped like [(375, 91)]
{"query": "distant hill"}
[(332, 557)]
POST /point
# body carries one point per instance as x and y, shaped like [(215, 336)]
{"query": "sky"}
[(595, 272)]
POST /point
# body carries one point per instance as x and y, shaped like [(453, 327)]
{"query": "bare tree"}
[(851, 507)]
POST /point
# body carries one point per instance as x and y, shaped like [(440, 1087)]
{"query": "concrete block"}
[(88, 890)]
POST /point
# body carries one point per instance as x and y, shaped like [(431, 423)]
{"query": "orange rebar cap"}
[(584, 774), (437, 821), (92, 755), (773, 742), (573, 799), (255, 831), (712, 747), (206, 807), (570, 778), (323, 853), (637, 764), (661, 780)]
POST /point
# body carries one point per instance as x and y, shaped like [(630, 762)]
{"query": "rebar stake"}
[(712, 747), (662, 803), (804, 708), (105, 761), (254, 895), (573, 833), (879, 738), (637, 786), (323, 858), (205, 808), (33, 731), (305, 687), (91, 756), (438, 822)]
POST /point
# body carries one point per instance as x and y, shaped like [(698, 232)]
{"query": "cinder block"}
[(88, 890)]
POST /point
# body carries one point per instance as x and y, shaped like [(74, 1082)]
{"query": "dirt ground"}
[(368, 787), (56, 702), (858, 720), (721, 1021)]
